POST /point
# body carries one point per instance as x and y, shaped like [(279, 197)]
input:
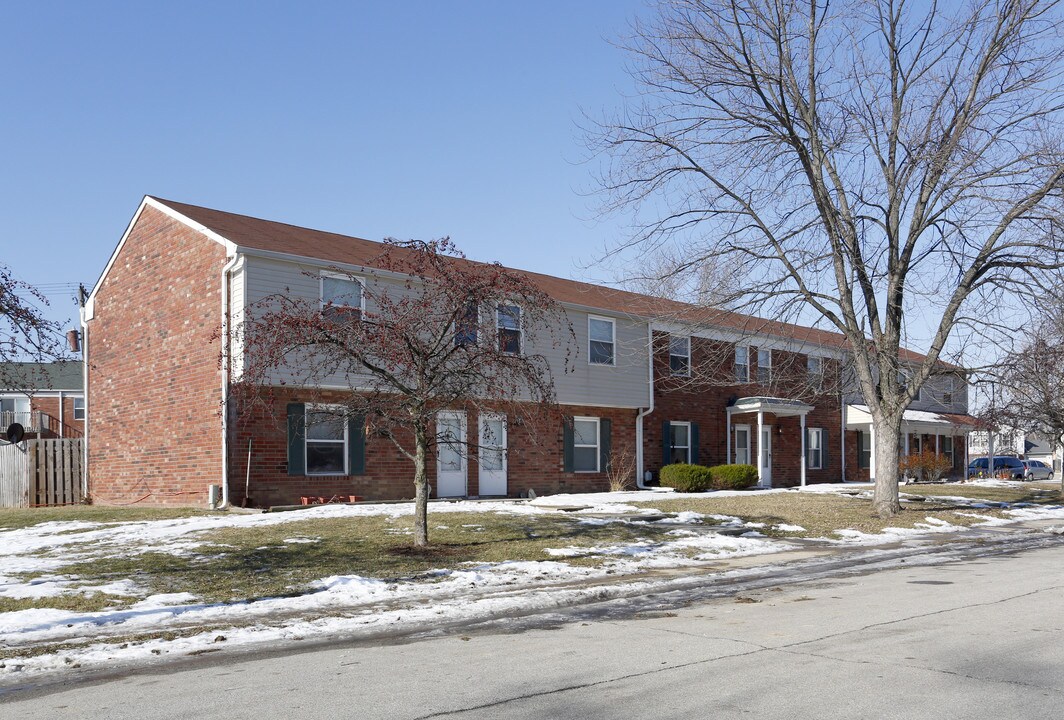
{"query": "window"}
[(680, 442), (864, 449), (814, 452), (508, 322), (742, 364), (815, 372), (585, 444), (600, 332), (341, 295), (679, 355), (945, 444), (764, 366), (79, 408), (742, 444), (465, 331), (326, 442), (947, 393), (904, 376)]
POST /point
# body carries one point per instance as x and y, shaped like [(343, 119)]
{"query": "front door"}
[(492, 456), (766, 456), (451, 454)]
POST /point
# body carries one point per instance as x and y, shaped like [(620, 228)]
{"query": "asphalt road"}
[(974, 639)]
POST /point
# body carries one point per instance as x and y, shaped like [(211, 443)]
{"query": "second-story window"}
[(600, 331), (764, 366), (679, 355), (904, 377), (815, 372), (465, 330), (341, 295), (508, 322), (742, 364), (79, 408), (947, 392)]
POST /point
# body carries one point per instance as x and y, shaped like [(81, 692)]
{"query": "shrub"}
[(927, 466), (686, 478), (733, 477)]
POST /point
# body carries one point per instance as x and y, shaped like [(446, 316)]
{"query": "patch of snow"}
[(784, 527)]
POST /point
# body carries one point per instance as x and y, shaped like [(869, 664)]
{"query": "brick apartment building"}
[(162, 426)]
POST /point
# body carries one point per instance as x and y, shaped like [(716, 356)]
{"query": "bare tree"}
[(430, 332), (25, 334), (1032, 382), (888, 170)]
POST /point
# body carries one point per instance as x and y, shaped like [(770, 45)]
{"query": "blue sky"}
[(414, 120)]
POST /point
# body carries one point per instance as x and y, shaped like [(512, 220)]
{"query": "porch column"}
[(966, 436), (906, 443), (727, 424), (760, 445), (802, 423), (872, 452), (936, 444)]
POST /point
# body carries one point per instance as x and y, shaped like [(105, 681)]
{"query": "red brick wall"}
[(154, 380), (50, 405), (536, 465), (703, 399)]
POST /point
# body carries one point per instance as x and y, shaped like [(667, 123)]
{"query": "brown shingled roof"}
[(254, 233)]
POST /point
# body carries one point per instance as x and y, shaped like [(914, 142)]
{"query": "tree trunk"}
[(421, 487), (885, 495)]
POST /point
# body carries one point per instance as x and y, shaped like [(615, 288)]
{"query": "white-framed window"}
[(79, 408), (742, 363), (904, 377), (948, 390), (742, 444), (465, 329), (508, 324), (326, 441), (815, 451), (341, 295), (814, 367), (764, 366), (15, 404), (679, 355), (601, 340), (586, 443), (680, 442)]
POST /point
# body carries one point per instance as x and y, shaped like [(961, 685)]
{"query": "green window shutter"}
[(297, 440), (824, 448), (666, 443), (567, 444), (356, 445), (605, 429), (694, 443), (808, 450)]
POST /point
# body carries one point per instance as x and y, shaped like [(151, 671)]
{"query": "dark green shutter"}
[(605, 428), (694, 443), (666, 443), (567, 445), (808, 451), (297, 447), (824, 448), (356, 445)]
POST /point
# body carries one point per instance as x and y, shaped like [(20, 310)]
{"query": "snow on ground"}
[(345, 604)]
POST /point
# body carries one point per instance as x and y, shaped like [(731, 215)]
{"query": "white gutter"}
[(225, 379), (643, 413)]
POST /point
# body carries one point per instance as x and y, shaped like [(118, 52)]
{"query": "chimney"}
[(74, 340)]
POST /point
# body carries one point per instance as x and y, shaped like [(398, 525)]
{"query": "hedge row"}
[(699, 478)]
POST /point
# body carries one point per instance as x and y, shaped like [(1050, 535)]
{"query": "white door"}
[(451, 463), (766, 456), (492, 475)]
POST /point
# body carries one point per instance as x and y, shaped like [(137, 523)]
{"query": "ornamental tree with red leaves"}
[(419, 331)]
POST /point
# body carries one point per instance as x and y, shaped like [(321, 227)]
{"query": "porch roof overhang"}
[(780, 407), (858, 417)]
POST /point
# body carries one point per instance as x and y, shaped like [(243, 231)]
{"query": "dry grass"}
[(820, 513), (1040, 493), (13, 518)]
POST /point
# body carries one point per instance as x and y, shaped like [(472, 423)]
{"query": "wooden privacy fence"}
[(41, 472)]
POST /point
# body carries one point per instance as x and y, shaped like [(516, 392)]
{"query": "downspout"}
[(225, 380), (61, 413), (85, 394), (643, 413)]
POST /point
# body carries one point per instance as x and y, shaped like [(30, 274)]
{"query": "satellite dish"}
[(15, 432)]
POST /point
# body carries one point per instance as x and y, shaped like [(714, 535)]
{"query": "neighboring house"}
[(1012, 442), (162, 427), (47, 399)]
